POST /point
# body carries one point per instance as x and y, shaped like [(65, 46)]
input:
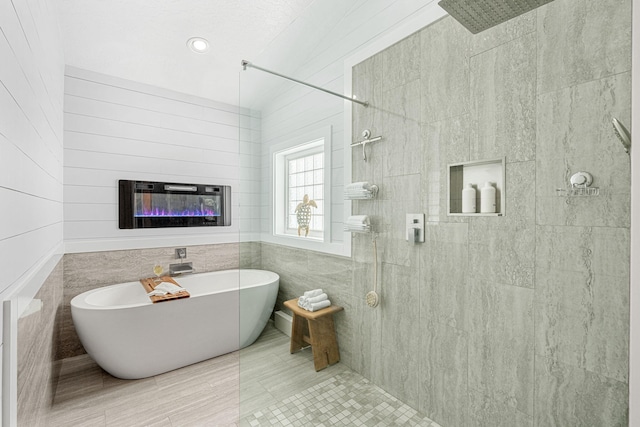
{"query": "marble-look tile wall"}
[(521, 319), (91, 270), (301, 271), (38, 337)]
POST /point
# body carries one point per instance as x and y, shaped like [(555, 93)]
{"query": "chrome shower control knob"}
[(581, 179)]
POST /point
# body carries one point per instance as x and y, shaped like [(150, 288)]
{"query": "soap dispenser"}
[(469, 199), (488, 198)]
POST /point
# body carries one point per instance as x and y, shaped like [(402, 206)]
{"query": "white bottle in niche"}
[(488, 198), (469, 199)]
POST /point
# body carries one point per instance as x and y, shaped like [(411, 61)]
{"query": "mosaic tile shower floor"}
[(346, 399)]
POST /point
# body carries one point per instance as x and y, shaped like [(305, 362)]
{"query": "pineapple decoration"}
[(303, 214)]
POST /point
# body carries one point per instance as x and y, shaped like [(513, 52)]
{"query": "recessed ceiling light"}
[(198, 44)]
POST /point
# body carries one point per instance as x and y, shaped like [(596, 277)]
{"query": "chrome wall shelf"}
[(360, 191)]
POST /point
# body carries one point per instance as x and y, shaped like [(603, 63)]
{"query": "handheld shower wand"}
[(372, 297), (622, 133)]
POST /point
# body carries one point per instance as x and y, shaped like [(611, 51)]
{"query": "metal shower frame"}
[(246, 64)]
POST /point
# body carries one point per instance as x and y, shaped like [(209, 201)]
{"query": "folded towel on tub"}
[(165, 288)]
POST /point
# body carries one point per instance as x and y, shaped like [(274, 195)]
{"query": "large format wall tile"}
[(568, 396), (443, 375), (400, 63), (250, 255), (582, 301), (582, 40), (500, 328), (399, 196), (401, 119), (367, 327), (576, 121), (575, 124), (333, 274), (398, 374), (495, 293), (445, 142), (301, 271), (503, 101), (367, 84), (401, 314), (487, 411), (500, 34), (502, 254), (500, 247), (444, 274), (291, 265), (445, 77)]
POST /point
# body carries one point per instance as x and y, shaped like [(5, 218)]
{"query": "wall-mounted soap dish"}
[(580, 186)]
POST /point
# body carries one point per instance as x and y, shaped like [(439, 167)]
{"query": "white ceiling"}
[(145, 40)]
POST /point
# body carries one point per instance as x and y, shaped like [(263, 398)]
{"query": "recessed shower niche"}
[(477, 173)]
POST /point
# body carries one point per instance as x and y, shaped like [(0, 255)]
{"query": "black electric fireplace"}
[(148, 204)]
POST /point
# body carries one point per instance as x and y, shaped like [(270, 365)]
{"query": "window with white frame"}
[(301, 188), (305, 187)]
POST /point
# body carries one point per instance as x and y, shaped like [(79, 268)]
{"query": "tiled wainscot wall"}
[(86, 271), (38, 339)]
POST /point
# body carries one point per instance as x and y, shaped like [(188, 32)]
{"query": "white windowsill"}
[(336, 248)]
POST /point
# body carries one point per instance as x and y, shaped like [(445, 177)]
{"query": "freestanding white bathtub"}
[(130, 337)]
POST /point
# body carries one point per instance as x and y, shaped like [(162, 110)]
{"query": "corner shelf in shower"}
[(475, 172)]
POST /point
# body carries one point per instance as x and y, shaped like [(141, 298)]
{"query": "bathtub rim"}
[(80, 301)]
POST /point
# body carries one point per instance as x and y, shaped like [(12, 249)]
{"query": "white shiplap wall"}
[(31, 87), (118, 129), (31, 169), (292, 109)]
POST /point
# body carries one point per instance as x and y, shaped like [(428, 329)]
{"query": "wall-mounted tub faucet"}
[(181, 253), (182, 267)]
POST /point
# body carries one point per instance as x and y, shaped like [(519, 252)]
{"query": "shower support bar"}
[(246, 64)]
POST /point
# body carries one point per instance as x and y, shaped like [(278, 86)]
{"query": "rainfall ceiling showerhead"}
[(622, 133), (478, 15)]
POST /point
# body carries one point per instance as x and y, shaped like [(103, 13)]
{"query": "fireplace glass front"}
[(147, 204)]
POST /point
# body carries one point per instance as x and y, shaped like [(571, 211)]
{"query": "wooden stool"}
[(322, 336)]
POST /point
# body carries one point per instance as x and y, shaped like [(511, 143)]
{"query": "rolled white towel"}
[(356, 186), (165, 288), (319, 305), (313, 293), (358, 219), (302, 302), (319, 298)]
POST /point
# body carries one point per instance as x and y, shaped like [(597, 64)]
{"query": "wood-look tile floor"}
[(259, 385), (216, 392)]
